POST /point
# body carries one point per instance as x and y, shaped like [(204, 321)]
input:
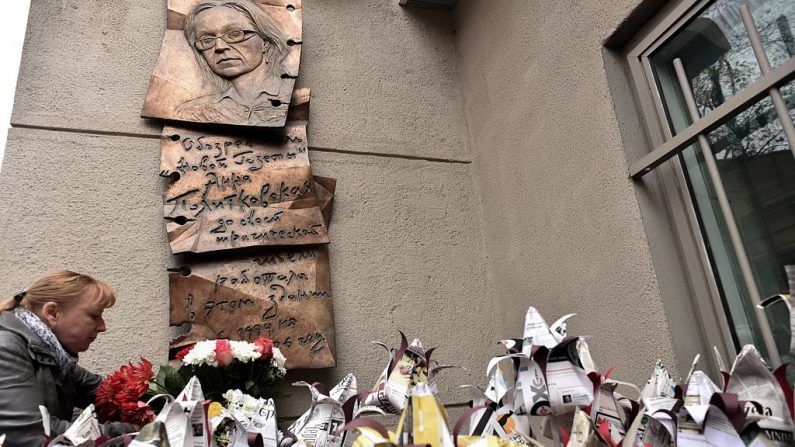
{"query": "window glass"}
[(753, 156), (717, 55)]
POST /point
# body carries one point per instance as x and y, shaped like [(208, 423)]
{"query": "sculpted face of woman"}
[(230, 60), (76, 326)]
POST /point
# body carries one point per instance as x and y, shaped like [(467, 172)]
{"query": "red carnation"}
[(183, 352), (119, 394), (137, 413), (264, 347), (223, 352)]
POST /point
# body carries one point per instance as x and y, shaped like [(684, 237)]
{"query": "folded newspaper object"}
[(320, 424), (185, 418), (700, 389), (551, 369), (659, 386), (658, 430), (712, 428), (85, 428), (654, 426), (368, 437), (584, 433), (498, 385), (567, 369), (229, 430), (751, 380), (607, 409), (151, 435), (246, 421), (531, 393), (498, 419), (537, 332), (263, 424), (192, 391), (491, 441), (424, 420), (408, 365)]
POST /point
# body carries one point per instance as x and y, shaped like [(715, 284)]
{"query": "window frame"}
[(699, 267)]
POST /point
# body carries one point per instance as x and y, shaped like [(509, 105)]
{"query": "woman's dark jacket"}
[(29, 378)]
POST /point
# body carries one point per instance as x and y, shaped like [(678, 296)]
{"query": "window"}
[(715, 83)]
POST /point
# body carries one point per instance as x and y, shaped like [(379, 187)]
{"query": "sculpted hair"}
[(266, 28), (62, 287)]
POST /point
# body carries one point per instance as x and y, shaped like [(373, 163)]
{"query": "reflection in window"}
[(752, 153)]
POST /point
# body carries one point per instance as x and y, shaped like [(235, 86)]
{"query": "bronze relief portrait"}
[(227, 62)]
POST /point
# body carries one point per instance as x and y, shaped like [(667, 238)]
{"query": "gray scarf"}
[(66, 361)]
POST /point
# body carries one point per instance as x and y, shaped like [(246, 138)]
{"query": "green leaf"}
[(174, 382)]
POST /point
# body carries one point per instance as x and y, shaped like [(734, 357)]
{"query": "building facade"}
[(484, 158)]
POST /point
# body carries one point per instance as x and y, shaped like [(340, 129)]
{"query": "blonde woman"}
[(42, 331)]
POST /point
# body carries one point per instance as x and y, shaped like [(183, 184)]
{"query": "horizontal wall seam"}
[(378, 154), (311, 148), (85, 131)]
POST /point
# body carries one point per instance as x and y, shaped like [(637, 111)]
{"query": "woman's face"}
[(229, 60), (77, 326)]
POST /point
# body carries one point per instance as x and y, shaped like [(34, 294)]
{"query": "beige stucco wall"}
[(79, 186), (563, 222), (480, 168)]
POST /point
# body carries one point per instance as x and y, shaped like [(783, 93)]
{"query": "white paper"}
[(536, 332), (497, 386), (700, 389), (660, 384), (319, 425), (192, 391), (152, 435), (531, 394), (752, 381), (85, 428), (176, 423), (567, 382), (606, 408), (264, 423), (717, 432)]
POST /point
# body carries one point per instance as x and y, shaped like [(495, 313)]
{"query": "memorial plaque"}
[(284, 295), (226, 192), (325, 188), (227, 62)]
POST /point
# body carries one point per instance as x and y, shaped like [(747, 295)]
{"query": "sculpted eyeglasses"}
[(231, 36)]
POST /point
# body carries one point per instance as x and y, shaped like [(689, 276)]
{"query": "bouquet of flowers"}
[(120, 395), (221, 365)]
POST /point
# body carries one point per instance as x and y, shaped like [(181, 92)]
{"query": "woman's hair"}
[(64, 288), (266, 28)]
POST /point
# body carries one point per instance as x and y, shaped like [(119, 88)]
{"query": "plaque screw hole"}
[(180, 220), (182, 270), (292, 42), (175, 137), (290, 8), (173, 177), (276, 102)]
